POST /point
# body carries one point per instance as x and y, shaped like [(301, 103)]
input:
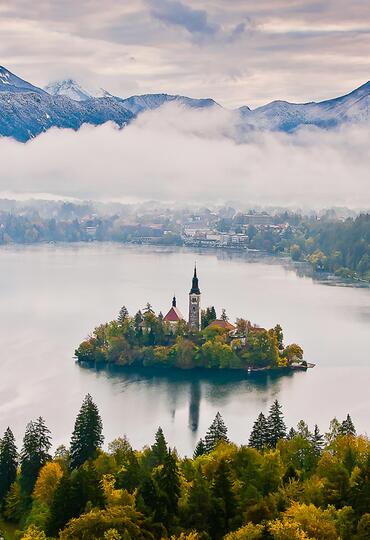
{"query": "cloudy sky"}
[(237, 51)]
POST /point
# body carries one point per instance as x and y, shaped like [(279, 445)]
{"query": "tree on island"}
[(34, 454), (8, 463), (87, 436), (276, 427), (207, 316), (259, 436), (122, 315), (279, 336), (216, 433)]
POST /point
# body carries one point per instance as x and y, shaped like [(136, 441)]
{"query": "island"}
[(203, 341)]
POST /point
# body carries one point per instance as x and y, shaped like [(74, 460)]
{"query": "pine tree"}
[(275, 424), (199, 506), (347, 427), (291, 434), (216, 433), (122, 315), (61, 509), (200, 449), (259, 435), (8, 463), (34, 454), (168, 482), (158, 449), (224, 501), (87, 436), (317, 441)]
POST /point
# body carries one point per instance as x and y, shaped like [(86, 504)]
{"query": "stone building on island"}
[(174, 315)]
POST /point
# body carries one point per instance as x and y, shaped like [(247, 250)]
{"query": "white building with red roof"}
[(174, 315)]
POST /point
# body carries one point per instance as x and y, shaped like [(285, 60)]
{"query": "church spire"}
[(195, 285), (174, 301)]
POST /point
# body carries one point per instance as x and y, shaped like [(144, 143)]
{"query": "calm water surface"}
[(52, 296)]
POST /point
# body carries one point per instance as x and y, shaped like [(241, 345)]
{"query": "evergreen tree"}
[(138, 319), (34, 454), (207, 316), (347, 427), (61, 510), (168, 482), (291, 434), (122, 315), (87, 436), (158, 449), (279, 336), (216, 433), (259, 435), (224, 317), (200, 449), (8, 463), (224, 507), (275, 424), (317, 441), (199, 507)]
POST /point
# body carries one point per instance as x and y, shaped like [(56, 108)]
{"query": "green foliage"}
[(297, 487), (34, 454), (8, 463), (87, 436), (216, 433), (146, 340), (159, 450), (259, 437), (275, 424)]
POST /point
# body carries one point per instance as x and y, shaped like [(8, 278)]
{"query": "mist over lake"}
[(52, 296)]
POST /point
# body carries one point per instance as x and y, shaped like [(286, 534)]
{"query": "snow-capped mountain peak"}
[(11, 83), (69, 88)]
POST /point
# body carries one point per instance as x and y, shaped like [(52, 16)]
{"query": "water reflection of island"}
[(197, 384)]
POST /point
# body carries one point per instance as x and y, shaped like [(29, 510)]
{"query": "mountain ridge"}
[(27, 110)]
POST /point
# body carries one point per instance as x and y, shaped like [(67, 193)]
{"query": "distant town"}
[(335, 241)]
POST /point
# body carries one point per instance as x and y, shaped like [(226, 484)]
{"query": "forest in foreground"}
[(281, 485)]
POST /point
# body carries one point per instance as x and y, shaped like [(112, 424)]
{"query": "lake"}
[(53, 295)]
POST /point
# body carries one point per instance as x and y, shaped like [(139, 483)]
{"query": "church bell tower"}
[(194, 303)]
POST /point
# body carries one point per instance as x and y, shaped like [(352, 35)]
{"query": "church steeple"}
[(194, 303), (195, 285)]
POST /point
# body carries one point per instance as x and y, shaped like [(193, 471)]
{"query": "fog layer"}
[(175, 154)]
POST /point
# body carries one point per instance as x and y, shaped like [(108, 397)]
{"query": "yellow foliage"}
[(301, 522), (193, 535), (47, 482), (250, 531), (113, 496), (33, 533), (287, 530)]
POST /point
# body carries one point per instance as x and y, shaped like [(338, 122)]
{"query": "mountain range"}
[(27, 110)]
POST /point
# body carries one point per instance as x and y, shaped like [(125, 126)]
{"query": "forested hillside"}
[(280, 485)]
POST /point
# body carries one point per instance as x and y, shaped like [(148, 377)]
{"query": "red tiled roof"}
[(174, 315), (221, 324)]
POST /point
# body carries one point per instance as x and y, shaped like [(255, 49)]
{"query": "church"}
[(174, 315)]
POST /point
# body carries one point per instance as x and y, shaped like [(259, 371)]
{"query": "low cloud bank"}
[(193, 156)]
